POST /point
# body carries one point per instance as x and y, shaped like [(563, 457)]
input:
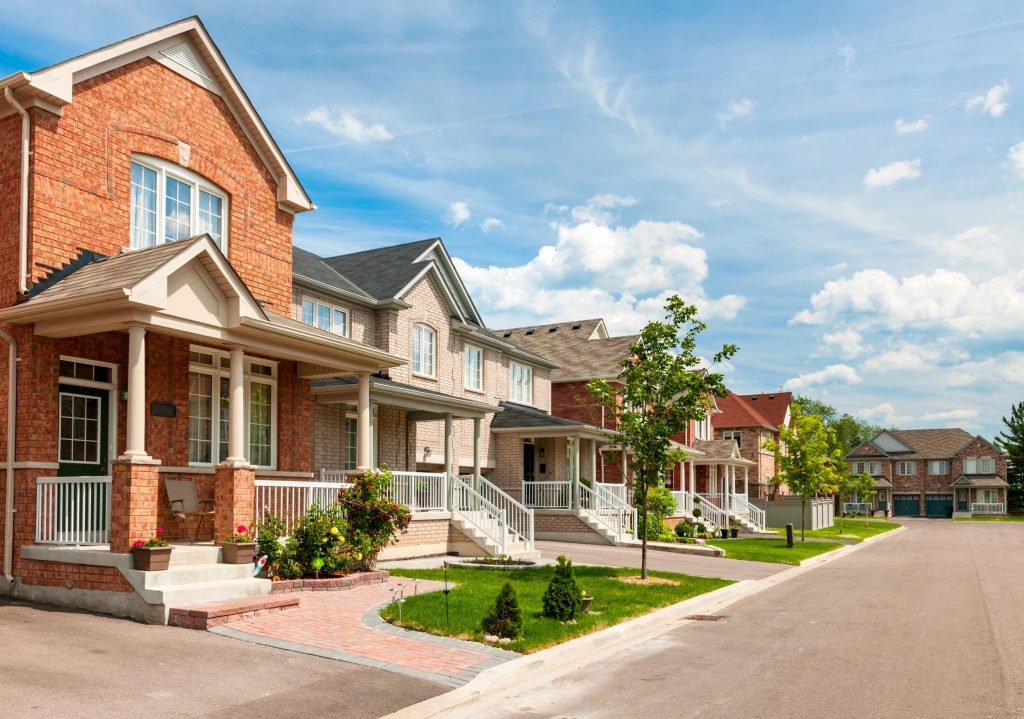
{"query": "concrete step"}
[(184, 554), (212, 614), (196, 573), (196, 593)]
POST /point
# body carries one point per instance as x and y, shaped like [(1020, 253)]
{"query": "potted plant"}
[(734, 531), (723, 532), (585, 602), (240, 547), (153, 554)]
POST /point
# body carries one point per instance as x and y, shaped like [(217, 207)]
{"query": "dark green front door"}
[(939, 505), (883, 499), (83, 432), (906, 505), (963, 502)]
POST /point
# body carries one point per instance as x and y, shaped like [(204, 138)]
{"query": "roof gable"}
[(735, 411), (772, 406), (889, 444)]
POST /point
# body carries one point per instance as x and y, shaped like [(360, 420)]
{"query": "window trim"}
[(901, 463), (735, 435), (867, 466), (197, 182), (465, 368), (978, 468), (947, 465), (419, 326), (317, 304), (512, 382)]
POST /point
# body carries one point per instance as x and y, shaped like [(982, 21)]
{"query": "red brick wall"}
[(10, 198), (58, 574)]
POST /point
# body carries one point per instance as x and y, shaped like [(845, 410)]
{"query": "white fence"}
[(615, 490), (684, 503), (518, 516), (420, 491), (289, 500), (856, 508), (547, 495), (73, 510), (988, 508)]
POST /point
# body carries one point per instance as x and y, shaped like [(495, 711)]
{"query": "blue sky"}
[(839, 186)]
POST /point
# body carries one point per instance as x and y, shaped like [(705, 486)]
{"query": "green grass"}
[(853, 530), (772, 550), (614, 601), (989, 519)]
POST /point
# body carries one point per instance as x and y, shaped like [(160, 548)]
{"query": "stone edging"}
[(330, 584)]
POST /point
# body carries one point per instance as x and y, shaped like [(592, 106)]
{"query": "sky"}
[(839, 187)]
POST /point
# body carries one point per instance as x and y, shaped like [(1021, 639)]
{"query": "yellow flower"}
[(323, 541), (334, 530), (359, 556), (341, 539)]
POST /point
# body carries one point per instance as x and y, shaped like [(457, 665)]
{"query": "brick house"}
[(750, 420), (932, 473), (146, 303)]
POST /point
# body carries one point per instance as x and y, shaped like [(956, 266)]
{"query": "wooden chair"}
[(185, 505)]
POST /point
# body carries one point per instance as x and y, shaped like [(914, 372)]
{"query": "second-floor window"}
[(906, 467), (520, 380), (473, 368), (939, 466), (872, 468), (734, 435), (171, 203), (325, 316), (424, 350), (979, 465)]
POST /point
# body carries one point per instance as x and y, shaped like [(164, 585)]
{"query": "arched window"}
[(171, 203)]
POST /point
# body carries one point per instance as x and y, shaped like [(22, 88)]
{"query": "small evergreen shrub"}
[(683, 530), (505, 618), (563, 597)]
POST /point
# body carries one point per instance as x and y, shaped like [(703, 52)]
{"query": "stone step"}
[(212, 614), (199, 592), (184, 554), (183, 574)]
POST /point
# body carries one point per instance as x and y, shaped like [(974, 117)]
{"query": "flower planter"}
[(151, 559), (723, 532), (238, 552), (585, 605), (734, 532)]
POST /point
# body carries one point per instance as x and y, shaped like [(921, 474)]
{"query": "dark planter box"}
[(734, 532), (723, 532), (151, 559), (238, 553)]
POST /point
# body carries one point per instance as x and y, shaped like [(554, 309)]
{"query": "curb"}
[(549, 664)]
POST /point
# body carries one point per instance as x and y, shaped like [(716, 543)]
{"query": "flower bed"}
[(329, 584)]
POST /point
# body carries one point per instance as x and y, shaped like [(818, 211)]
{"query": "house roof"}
[(581, 348), (312, 267), (722, 450), (384, 272), (185, 47), (518, 416), (915, 444), (736, 411), (772, 406)]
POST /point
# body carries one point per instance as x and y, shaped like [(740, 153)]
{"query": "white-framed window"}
[(520, 383), (979, 465), (325, 316), (872, 468), (906, 467), (351, 433), (702, 429), (735, 435), (986, 495), (424, 350), (209, 408), (938, 466), (171, 203), (80, 428), (473, 368)]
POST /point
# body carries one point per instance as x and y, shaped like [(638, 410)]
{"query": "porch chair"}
[(181, 493)]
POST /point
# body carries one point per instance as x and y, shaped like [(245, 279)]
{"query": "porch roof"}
[(426, 403), (882, 483), (525, 420), (721, 451), (978, 481)]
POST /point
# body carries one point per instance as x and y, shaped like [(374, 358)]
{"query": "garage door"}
[(939, 505), (906, 505)]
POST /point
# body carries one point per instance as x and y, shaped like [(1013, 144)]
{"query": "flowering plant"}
[(375, 521), (242, 535), (157, 541)]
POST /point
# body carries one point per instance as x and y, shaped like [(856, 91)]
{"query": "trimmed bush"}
[(562, 598), (683, 530), (505, 618)]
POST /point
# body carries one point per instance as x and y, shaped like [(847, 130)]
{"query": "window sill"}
[(474, 390), (432, 378)]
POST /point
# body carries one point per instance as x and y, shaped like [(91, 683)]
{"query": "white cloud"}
[(491, 223), (458, 212), (846, 342), (953, 415), (838, 267), (833, 374), (905, 127), (883, 413), (848, 53), (911, 357), (993, 102), (736, 108), (976, 249), (1017, 157), (597, 267), (892, 173), (347, 125), (609, 94)]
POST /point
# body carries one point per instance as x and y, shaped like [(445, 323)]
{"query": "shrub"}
[(660, 504), (505, 618), (319, 543), (272, 542), (563, 597), (683, 530), (374, 520)]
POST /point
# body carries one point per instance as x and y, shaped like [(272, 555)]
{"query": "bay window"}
[(520, 383), (424, 350), (171, 203), (473, 368)]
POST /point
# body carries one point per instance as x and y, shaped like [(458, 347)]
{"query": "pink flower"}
[(159, 530), (137, 544), (241, 529)]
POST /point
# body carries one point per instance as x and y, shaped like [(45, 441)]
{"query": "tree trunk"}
[(803, 517), (643, 546)]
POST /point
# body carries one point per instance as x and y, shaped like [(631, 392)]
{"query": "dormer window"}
[(171, 203)]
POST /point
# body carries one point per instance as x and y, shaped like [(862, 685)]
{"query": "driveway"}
[(59, 663), (926, 623)]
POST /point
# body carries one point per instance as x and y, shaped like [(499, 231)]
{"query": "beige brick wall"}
[(362, 322), (328, 436)]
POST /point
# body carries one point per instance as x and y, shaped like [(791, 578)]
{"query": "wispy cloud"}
[(849, 55), (906, 127), (833, 374), (736, 108), (347, 125), (458, 212), (892, 173), (491, 223), (1017, 157), (993, 102)]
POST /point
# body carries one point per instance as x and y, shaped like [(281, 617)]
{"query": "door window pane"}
[(79, 427), (143, 206)]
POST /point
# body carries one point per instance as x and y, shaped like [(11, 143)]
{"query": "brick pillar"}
[(234, 499), (134, 502)]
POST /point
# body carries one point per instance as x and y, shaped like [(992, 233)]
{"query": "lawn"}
[(989, 519), (475, 590), (853, 530), (772, 550)]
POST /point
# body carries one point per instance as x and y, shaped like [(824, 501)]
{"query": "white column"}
[(593, 461), (135, 442), (576, 471), (746, 481), (476, 453), (236, 409), (693, 478), (448, 443), (363, 430)]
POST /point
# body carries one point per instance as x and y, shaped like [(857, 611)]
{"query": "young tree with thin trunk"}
[(1011, 441), (863, 485), (661, 388)]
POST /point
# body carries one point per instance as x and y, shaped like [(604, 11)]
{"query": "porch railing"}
[(420, 491), (684, 503), (472, 507), (289, 500), (618, 491), (711, 515), (608, 510), (518, 516), (740, 507), (988, 508), (547, 495), (856, 508), (73, 510)]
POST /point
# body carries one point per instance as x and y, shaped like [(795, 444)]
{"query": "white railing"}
[(616, 490), (856, 508), (334, 475), (715, 499), (684, 503), (547, 495), (518, 516), (988, 508), (289, 500), (740, 507), (73, 510), (711, 515), (420, 491), (609, 511), (475, 509)]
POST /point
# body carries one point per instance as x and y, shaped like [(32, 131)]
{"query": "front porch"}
[(979, 496)]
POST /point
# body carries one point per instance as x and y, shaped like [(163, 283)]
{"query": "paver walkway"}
[(347, 626)]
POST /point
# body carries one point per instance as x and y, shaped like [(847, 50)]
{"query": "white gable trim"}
[(437, 255)]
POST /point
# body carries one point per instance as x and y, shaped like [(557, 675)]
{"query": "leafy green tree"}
[(1011, 441), (661, 389), (849, 431), (562, 598), (807, 457), (505, 618), (848, 483)]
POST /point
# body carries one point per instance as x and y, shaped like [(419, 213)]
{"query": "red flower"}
[(159, 530), (137, 543), (241, 529)]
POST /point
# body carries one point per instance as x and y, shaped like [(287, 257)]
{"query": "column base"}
[(134, 502), (234, 500)]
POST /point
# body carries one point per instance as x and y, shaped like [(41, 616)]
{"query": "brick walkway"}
[(347, 626)]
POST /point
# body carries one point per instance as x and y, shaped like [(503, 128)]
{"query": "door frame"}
[(112, 401)]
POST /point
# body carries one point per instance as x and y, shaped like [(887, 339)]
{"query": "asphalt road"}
[(58, 663), (926, 623)]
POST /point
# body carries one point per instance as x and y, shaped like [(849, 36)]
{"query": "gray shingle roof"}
[(312, 267), (569, 345), (519, 415), (383, 272), (925, 443)]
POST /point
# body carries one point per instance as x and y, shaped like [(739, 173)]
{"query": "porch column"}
[(476, 453), (576, 471), (693, 478), (236, 421), (448, 443), (593, 461), (363, 430), (135, 441), (746, 481)]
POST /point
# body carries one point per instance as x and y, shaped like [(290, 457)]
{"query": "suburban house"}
[(750, 420), (931, 473)]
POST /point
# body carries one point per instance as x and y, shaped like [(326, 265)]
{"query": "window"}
[(986, 496), (209, 414), (520, 383), (702, 430), (872, 468), (979, 465), (906, 467), (351, 430), (940, 466), (326, 317), (171, 203), (735, 435), (424, 350), (79, 429), (473, 368)]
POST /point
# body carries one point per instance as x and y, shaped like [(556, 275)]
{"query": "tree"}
[(807, 457), (849, 431), (862, 484), (1011, 441), (662, 389), (505, 618), (562, 598)]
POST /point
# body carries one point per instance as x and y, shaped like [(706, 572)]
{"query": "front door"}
[(963, 503), (883, 500), (528, 469), (83, 432)]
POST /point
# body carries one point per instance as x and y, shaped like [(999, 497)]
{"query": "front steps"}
[(474, 524), (601, 529)]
